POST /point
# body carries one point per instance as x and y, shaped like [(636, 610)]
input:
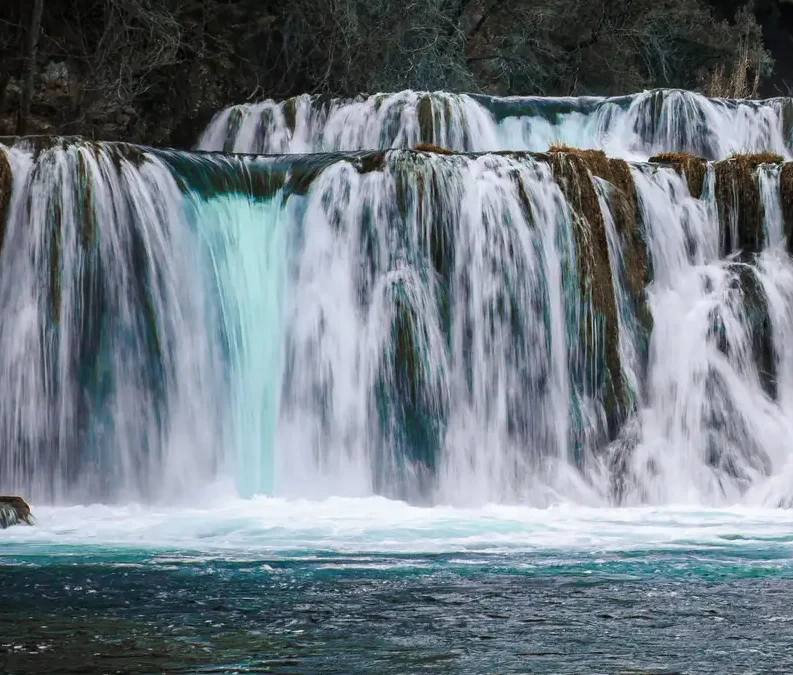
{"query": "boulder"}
[(14, 511)]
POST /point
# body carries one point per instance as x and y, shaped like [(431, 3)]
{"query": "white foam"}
[(265, 527)]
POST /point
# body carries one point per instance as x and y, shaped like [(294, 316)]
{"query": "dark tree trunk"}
[(5, 79), (34, 31)]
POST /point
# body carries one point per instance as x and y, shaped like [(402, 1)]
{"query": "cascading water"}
[(248, 247), (710, 428), (453, 328), (631, 127), (109, 361)]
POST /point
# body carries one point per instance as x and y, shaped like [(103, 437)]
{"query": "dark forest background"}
[(154, 71)]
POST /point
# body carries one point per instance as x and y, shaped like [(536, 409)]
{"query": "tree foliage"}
[(155, 70)]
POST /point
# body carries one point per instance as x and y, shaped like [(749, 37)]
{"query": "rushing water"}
[(353, 585), (493, 412), (443, 329), (635, 126)]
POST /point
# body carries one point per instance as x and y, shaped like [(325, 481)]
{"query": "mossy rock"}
[(232, 128), (426, 120), (289, 110), (625, 205), (786, 195), (85, 201), (409, 417), (132, 154), (301, 177), (371, 161), (407, 363), (646, 125), (758, 321), (6, 187), (787, 121), (739, 201), (419, 185), (755, 305), (14, 511), (693, 168), (571, 170), (435, 149), (626, 213)]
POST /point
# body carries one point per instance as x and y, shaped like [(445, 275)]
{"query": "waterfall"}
[(108, 354), (631, 127), (121, 295), (430, 297)]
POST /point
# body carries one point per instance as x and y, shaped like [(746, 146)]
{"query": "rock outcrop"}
[(741, 212), (14, 511), (693, 168)]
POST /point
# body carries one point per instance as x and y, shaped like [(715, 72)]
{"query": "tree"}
[(154, 71), (34, 31)]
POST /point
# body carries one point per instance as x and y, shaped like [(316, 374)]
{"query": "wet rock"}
[(786, 194), (426, 120), (598, 331), (758, 320), (371, 161), (739, 202), (14, 511), (787, 119), (289, 109), (691, 167), (6, 185)]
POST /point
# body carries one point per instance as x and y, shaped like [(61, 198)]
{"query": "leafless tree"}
[(34, 32)]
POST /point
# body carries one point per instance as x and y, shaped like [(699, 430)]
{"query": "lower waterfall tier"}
[(424, 325)]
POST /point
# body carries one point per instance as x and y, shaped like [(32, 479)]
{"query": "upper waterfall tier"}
[(631, 127)]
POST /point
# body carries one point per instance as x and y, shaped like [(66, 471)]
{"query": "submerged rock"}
[(14, 511)]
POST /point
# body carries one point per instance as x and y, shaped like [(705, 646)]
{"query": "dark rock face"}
[(14, 511)]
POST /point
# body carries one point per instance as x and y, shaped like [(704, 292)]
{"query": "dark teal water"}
[(370, 587)]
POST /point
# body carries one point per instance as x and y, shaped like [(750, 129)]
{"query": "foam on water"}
[(267, 527)]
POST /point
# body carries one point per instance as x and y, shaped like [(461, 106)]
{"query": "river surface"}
[(376, 586)]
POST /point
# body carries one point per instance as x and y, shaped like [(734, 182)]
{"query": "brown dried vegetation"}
[(429, 147)]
